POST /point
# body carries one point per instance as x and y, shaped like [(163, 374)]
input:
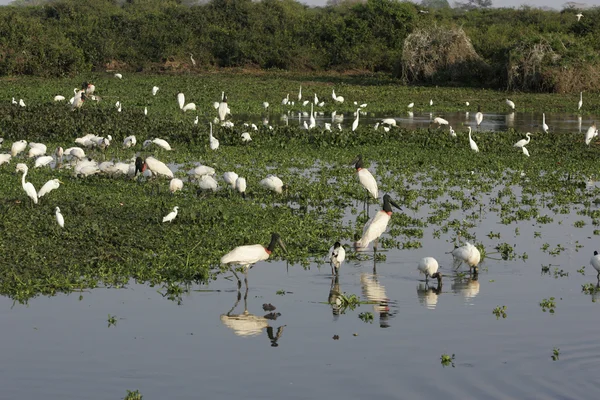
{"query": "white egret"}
[(27, 186), (591, 133), (472, 143), (59, 217), (86, 168), (431, 102), (429, 266), (157, 167), (327, 126), (181, 100), (265, 105), (337, 255), (246, 137), (59, 98), (365, 177), (467, 103), (479, 116), (544, 126), (78, 100), (375, 227), (355, 123), (76, 152), (201, 170), (452, 133), (36, 150), (337, 99), (145, 110), (171, 216), (389, 121), (300, 94), (230, 178), (21, 103), (510, 103), (163, 144), (579, 16), (376, 126), (240, 186), (18, 147), (523, 142), (410, 105), (246, 256), (48, 187), (223, 107), (525, 151), (440, 121), (5, 158), (119, 76), (192, 60), (43, 161), (155, 90), (316, 100), (273, 183), (175, 184), (595, 261), (207, 182), (580, 101), (304, 125), (285, 100), (468, 254), (129, 141), (213, 142)]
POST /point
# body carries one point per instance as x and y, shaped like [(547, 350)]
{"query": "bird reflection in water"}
[(375, 293), (246, 324), (334, 298), (467, 287), (428, 296)]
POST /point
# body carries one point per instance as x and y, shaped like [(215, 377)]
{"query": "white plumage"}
[(366, 179), (181, 100), (337, 99), (171, 216), (510, 104), (411, 105), (223, 107), (27, 186), (162, 144), (429, 266), (440, 121), (155, 90), (595, 262), (240, 186), (59, 217), (580, 101), (544, 126), (337, 255), (479, 116), (213, 142), (375, 227), (201, 170), (246, 137), (18, 147), (207, 182), (59, 98), (472, 143), (591, 133), (175, 185), (129, 141), (355, 123), (48, 187), (468, 254), (118, 76), (158, 167), (273, 183), (523, 142), (43, 161), (452, 133), (230, 178), (525, 151), (389, 121), (5, 158)]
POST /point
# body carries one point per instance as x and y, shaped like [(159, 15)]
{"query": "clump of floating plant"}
[(112, 320), (500, 312), (447, 360), (555, 354), (133, 395), (366, 317), (559, 273), (548, 305)]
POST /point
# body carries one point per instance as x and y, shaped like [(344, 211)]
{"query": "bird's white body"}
[(158, 167), (544, 126), (171, 216), (155, 90), (118, 76), (43, 161), (389, 121), (452, 133), (525, 151), (312, 120), (337, 256), (181, 100), (367, 180), (189, 107), (246, 255), (223, 108), (479, 117), (411, 105), (5, 158), (510, 104), (374, 228), (240, 185), (162, 144), (59, 217), (580, 101), (431, 102), (246, 137), (591, 133), (18, 147), (146, 111), (300, 94), (595, 262), (86, 168), (59, 98), (36, 149), (579, 15), (440, 121), (175, 185), (273, 183), (48, 187), (129, 141), (76, 152), (468, 254), (355, 123), (472, 143), (201, 170), (21, 103), (230, 178), (77, 101), (523, 142), (207, 182), (213, 142), (27, 186), (428, 266), (337, 99)]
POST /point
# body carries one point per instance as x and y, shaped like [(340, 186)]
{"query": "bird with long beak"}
[(375, 227), (247, 256), (365, 177)]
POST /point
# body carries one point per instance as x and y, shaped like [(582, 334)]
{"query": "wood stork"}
[(355, 123), (479, 116), (213, 142), (36, 149), (429, 266), (273, 183), (510, 103), (78, 100), (591, 133), (59, 217), (171, 216), (240, 186), (230, 178), (246, 256), (207, 182), (43, 161), (544, 126), (440, 121), (468, 254), (27, 186), (366, 179), (595, 261), (129, 141), (523, 142), (18, 147), (580, 101), (285, 100), (162, 144), (375, 227), (89, 88), (316, 100), (201, 170), (312, 120), (472, 143), (5, 158), (157, 167), (175, 185), (337, 255)]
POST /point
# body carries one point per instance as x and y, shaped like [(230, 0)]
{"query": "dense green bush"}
[(65, 37)]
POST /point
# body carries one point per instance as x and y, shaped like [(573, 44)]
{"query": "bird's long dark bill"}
[(282, 245), (354, 161), (395, 205)]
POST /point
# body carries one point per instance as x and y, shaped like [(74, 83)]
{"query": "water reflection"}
[(468, 288), (375, 292), (427, 295), (334, 298), (246, 324)]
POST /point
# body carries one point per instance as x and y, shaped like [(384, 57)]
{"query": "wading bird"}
[(355, 123), (337, 99), (579, 16), (595, 261), (510, 104), (523, 142), (162, 144), (155, 90), (157, 167), (479, 116), (525, 151), (175, 185), (580, 101), (273, 183), (129, 141), (366, 179), (240, 186), (544, 126), (472, 143), (246, 256), (18, 147), (48, 187), (223, 107), (213, 142), (171, 216), (591, 133), (59, 217), (119, 76), (337, 255), (468, 254), (27, 186), (429, 266), (375, 227), (230, 178)]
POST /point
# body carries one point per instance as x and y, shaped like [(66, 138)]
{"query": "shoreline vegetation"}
[(522, 49)]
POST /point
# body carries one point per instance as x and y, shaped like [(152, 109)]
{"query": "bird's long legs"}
[(238, 278)]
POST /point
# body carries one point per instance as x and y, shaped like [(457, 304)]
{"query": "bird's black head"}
[(357, 162), (595, 253), (83, 96), (479, 108), (140, 165), (84, 85), (337, 245), (388, 203), (276, 240), (224, 99)]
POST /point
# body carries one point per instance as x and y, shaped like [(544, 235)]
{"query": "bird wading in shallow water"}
[(375, 227), (429, 266), (337, 255)]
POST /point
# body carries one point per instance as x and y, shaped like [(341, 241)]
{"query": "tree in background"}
[(435, 3), (473, 4)]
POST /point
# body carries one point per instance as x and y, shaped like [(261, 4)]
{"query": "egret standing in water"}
[(375, 227), (337, 255), (479, 116), (246, 256)]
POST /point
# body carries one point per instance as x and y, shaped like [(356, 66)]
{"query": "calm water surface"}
[(61, 347)]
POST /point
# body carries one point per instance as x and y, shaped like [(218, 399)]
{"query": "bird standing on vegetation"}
[(375, 227), (525, 151), (157, 167), (240, 186), (366, 179), (214, 143), (175, 185), (544, 126), (429, 266), (171, 216), (595, 261), (223, 108), (355, 123), (337, 99), (510, 104), (192, 59), (472, 143), (591, 133), (337, 255), (580, 101), (78, 100), (48, 187), (246, 256), (579, 16), (410, 105), (523, 142), (27, 186), (18, 147), (59, 217), (155, 90), (273, 183), (300, 94)]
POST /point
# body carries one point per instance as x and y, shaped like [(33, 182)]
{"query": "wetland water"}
[(61, 347)]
